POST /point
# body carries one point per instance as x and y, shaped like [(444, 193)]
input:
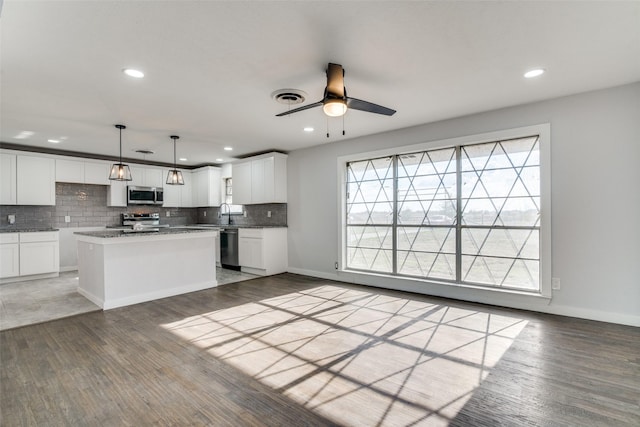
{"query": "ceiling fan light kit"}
[(334, 107), (120, 171)]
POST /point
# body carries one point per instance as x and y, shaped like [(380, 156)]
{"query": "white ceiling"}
[(211, 67)]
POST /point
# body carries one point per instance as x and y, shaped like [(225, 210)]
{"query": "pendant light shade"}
[(120, 171), (174, 177)]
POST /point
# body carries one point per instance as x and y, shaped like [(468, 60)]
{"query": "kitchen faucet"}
[(228, 213)]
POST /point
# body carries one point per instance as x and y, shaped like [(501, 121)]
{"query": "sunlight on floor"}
[(357, 357)]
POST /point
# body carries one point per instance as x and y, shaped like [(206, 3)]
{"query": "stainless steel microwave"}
[(144, 195)]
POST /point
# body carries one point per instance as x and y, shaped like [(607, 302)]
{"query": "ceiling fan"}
[(336, 102)]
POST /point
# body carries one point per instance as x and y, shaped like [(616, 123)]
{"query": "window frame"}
[(543, 131)]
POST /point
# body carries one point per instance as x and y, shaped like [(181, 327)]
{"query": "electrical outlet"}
[(268, 214), (67, 218), (205, 213), (11, 219), (555, 284), (336, 265), (168, 213), (245, 214)]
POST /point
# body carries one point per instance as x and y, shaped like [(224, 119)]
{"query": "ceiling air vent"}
[(289, 96)]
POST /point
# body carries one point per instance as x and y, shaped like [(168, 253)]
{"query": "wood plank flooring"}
[(291, 350)]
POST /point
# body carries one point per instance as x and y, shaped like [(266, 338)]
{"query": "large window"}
[(468, 214)]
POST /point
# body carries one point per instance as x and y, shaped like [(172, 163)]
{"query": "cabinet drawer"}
[(40, 236), (251, 233), (9, 238)]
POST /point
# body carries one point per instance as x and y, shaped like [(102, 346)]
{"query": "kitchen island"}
[(118, 268)]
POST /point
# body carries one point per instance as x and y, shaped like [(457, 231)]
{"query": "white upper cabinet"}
[(147, 176), (206, 187), (260, 179), (178, 196), (96, 173), (241, 175), (82, 172), (36, 180), (8, 179), (70, 171)]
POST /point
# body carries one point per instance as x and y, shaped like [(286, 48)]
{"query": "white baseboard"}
[(151, 296), (506, 301), (91, 297)]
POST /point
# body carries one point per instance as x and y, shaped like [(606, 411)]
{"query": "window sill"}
[(503, 297)]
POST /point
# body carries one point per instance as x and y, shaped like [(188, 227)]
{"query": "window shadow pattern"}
[(359, 357)]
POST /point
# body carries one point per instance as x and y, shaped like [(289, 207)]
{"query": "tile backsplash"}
[(86, 206), (268, 214)]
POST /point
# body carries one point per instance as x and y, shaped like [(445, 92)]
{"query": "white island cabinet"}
[(116, 269)]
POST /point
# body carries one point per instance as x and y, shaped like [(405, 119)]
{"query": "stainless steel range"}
[(141, 222)]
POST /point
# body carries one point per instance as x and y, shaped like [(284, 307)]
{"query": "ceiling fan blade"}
[(295, 110), (335, 80), (358, 104)]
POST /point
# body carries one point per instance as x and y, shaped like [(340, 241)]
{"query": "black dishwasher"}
[(229, 249)]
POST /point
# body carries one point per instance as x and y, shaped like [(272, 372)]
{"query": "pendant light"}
[(120, 171), (174, 177)]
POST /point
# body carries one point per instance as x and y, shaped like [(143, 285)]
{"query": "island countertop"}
[(112, 233)]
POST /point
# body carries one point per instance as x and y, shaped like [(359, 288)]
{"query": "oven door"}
[(141, 195)]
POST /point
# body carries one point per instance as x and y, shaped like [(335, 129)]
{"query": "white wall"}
[(595, 156)]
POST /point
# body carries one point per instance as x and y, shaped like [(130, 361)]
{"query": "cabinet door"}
[(257, 181), (39, 258), (186, 192), (9, 260), (70, 171), (172, 194), (153, 177), (36, 180), (197, 188), (241, 175), (214, 187), (250, 253), (117, 194), (137, 176), (7, 179), (96, 173), (268, 174)]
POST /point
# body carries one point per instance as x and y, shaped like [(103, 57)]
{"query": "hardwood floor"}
[(291, 350)]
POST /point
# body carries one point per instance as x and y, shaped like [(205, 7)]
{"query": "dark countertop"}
[(162, 231), (26, 229)]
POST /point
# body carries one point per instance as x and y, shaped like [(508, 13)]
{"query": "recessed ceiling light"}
[(53, 141), (183, 159), (228, 148), (219, 160), (308, 129), (25, 134), (534, 73), (133, 73)]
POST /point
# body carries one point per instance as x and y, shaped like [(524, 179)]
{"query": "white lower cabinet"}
[(9, 255), (28, 254), (263, 251)]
